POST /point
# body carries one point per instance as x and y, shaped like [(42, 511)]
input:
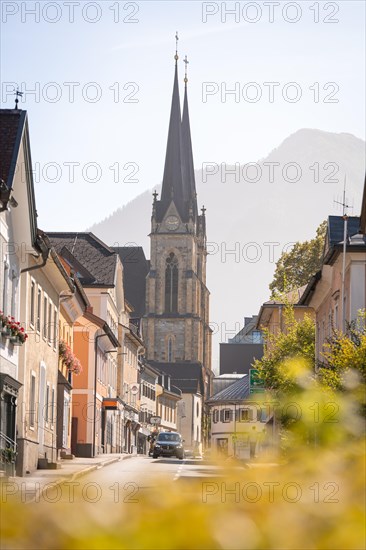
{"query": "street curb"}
[(76, 475)]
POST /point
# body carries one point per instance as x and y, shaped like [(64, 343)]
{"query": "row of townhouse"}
[(73, 379), (241, 425), (335, 295)]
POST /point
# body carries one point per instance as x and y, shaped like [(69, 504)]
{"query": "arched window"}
[(171, 284)]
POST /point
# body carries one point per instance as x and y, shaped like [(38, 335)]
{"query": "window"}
[(53, 406), (336, 316), (39, 305), (55, 328), (32, 303), (14, 284), (215, 416), (226, 415), (256, 337), (46, 415), (45, 307), (171, 284), (170, 349), (5, 287), (244, 415), (32, 401), (49, 326), (330, 323)]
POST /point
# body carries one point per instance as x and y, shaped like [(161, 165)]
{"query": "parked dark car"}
[(169, 444)]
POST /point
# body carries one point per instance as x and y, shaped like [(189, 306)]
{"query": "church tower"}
[(176, 322)]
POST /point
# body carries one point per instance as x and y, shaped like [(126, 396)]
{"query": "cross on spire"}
[(176, 46), (186, 64)]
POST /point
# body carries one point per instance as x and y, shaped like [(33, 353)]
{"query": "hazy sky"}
[(100, 141)]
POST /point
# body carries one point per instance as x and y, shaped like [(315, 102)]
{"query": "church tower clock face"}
[(172, 223)]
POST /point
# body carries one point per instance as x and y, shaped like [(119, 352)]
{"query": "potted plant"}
[(8, 458)]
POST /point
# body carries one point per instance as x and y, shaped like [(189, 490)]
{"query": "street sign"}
[(254, 380), (155, 420), (256, 390)]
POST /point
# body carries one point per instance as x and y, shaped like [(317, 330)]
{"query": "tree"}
[(295, 268), (289, 355), (344, 365)]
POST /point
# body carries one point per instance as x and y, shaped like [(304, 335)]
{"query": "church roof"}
[(173, 180), (178, 180), (188, 153)]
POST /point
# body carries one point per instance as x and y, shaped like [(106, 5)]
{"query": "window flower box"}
[(68, 358), (15, 340), (10, 328)]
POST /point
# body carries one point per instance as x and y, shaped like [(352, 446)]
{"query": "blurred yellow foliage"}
[(309, 497)]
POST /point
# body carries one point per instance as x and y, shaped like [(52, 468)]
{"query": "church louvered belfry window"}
[(171, 284)]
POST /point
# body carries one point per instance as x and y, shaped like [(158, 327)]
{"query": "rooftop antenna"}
[(17, 94), (345, 223)]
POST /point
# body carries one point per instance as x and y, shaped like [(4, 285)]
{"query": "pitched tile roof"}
[(334, 239), (93, 261), (188, 377), (335, 228), (235, 392), (135, 270), (11, 128)]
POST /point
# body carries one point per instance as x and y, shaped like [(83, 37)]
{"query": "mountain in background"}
[(254, 212)]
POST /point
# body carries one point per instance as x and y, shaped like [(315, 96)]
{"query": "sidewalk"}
[(30, 487)]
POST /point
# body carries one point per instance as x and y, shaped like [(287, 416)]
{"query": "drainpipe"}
[(45, 251)]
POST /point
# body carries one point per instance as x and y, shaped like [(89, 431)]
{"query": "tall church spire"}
[(187, 147), (173, 180)]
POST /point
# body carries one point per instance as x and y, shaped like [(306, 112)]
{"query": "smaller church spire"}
[(187, 148)]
